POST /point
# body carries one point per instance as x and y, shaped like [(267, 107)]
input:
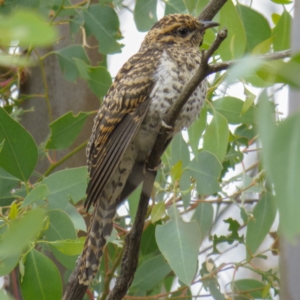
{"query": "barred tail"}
[(99, 230)]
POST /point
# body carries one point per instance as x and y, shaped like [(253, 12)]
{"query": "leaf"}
[(150, 273), (216, 136), (40, 192), (65, 185), (76, 217), (7, 182), (231, 109), (98, 78), (206, 169), (5, 296), (20, 233), (234, 226), (13, 212), (103, 23), (65, 130), (264, 215), (145, 14), (158, 211), (282, 1), (69, 247), (196, 129), (256, 26), (250, 98), (235, 44), (179, 151), (263, 47), (148, 243), (203, 215), (179, 243), (281, 32), (176, 171), (45, 275), (133, 202), (19, 154), (283, 167), (174, 6), (250, 287), (61, 228), (190, 5), (67, 64), (26, 27)]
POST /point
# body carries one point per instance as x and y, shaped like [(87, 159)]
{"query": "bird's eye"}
[(182, 31)]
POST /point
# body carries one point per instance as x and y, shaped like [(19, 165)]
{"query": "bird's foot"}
[(168, 128)]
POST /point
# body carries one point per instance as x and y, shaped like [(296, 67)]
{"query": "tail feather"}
[(99, 230)]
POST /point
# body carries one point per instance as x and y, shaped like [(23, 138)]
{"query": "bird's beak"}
[(208, 24)]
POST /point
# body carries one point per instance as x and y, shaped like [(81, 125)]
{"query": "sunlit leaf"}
[(282, 31), (26, 27), (158, 211)]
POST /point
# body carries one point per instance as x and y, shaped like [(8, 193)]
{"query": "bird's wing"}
[(119, 119)]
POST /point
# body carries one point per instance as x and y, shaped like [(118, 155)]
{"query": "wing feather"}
[(119, 119)]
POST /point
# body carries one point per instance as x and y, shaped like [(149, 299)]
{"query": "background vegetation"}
[(222, 183)]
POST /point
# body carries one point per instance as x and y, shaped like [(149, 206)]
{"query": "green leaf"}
[(7, 264), (250, 98), (282, 1), (282, 31), (98, 78), (263, 47), (40, 192), (148, 243), (244, 68), (206, 169), (145, 14), (26, 27), (76, 217), (176, 171), (7, 182), (179, 151), (103, 23), (256, 26), (190, 5), (150, 273), (235, 44), (45, 275), (19, 154), (275, 18), (174, 6), (158, 211), (133, 202), (283, 167), (250, 287), (196, 129), (5, 296), (231, 109), (65, 130), (264, 215), (61, 228), (67, 64), (69, 247), (234, 227), (65, 185), (203, 215), (179, 243), (20, 233), (216, 136)]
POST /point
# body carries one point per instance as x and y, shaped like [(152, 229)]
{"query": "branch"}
[(214, 68), (211, 9)]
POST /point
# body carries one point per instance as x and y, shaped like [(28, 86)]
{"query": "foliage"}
[(205, 170)]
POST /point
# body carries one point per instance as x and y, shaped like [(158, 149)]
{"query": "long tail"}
[(99, 230)]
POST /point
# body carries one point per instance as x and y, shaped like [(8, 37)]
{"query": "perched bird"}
[(130, 118)]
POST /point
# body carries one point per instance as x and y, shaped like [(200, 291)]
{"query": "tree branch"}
[(211, 9), (214, 68)]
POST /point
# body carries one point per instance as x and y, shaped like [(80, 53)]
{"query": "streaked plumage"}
[(129, 120)]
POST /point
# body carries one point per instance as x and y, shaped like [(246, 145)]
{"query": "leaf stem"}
[(66, 157)]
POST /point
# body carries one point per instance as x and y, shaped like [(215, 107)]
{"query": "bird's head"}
[(178, 29)]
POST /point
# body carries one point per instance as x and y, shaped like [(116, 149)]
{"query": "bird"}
[(129, 120)]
